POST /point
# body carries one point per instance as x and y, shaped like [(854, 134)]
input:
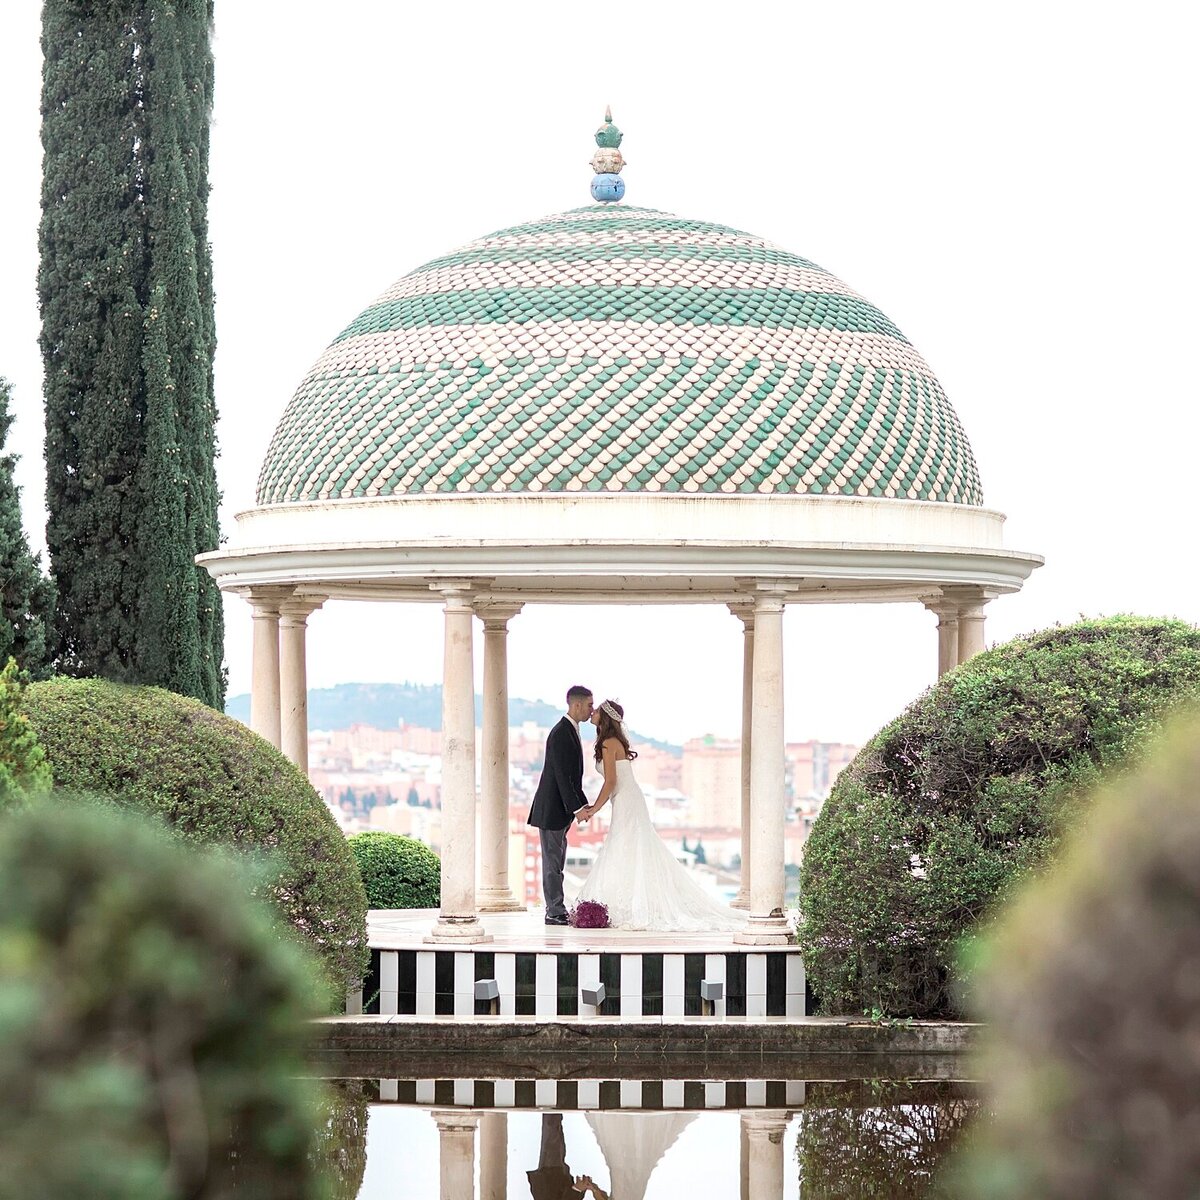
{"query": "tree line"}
[(127, 337)]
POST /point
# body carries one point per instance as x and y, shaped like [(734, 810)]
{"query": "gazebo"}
[(610, 405)]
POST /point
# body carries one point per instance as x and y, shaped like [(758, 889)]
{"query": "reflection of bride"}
[(635, 876), (632, 1144)]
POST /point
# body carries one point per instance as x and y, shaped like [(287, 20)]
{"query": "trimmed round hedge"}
[(1090, 986), (397, 872), (965, 794), (213, 781), (151, 1011)]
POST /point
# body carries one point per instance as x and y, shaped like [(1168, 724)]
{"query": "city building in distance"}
[(390, 779)]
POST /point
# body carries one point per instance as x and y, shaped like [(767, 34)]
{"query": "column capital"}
[(767, 595), (496, 616), (755, 587), (452, 1121), (297, 608), (458, 595), (744, 611), (265, 600), (766, 1123), (965, 596), (944, 609)]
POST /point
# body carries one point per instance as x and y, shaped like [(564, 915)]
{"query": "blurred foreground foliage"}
[(151, 1019), (1091, 987)]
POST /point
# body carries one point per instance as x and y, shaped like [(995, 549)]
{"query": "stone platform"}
[(642, 1047), (541, 971)]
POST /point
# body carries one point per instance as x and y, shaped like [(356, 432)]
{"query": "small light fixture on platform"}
[(592, 995), (711, 990), (489, 990)]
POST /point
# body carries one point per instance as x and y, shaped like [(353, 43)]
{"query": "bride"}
[(635, 876)]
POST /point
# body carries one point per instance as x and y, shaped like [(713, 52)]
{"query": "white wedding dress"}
[(633, 1144), (640, 881)]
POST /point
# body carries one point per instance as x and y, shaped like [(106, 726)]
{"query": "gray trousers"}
[(554, 857)]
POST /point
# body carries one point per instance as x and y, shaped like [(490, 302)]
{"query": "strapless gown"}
[(633, 1143), (640, 881)]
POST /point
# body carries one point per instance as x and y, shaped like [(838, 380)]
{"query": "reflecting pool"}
[(437, 1139)]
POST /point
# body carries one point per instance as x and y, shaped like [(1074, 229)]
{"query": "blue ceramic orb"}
[(607, 188)]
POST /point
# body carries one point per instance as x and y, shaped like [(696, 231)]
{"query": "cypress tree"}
[(26, 595), (128, 338)]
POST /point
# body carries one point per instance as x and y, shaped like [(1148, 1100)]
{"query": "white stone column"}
[(970, 624), (947, 629), (768, 924), (743, 1158), (264, 676), (763, 1130), (493, 1156), (458, 921), (745, 614), (495, 895), (293, 676), (456, 1154)]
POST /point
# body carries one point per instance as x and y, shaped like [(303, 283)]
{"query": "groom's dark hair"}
[(578, 692)]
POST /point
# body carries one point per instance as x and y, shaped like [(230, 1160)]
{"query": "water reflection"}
[(565, 1140), (340, 1152), (854, 1136)]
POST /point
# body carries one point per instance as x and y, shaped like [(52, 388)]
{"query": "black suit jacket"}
[(559, 792), (552, 1183)]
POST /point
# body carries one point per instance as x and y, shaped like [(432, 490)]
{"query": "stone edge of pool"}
[(656, 1037)]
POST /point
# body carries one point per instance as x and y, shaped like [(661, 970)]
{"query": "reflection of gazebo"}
[(611, 405)]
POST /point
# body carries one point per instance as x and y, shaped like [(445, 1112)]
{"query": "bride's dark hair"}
[(606, 728)]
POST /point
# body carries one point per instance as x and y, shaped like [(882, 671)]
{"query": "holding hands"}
[(585, 1183)]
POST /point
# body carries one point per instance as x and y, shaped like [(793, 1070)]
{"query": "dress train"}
[(640, 881)]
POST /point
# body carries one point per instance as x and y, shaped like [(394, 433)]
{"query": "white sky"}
[(1012, 184)]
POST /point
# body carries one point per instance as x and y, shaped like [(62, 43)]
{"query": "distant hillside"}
[(386, 705)]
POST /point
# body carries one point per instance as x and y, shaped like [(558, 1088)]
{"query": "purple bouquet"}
[(589, 914)]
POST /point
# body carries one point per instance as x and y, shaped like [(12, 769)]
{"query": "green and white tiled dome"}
[(620, 349)]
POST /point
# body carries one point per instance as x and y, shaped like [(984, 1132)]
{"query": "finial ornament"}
[(607, 185)]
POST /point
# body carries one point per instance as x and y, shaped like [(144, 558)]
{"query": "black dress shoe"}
[(557, 921)]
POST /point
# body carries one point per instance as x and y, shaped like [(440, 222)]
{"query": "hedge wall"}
[(214, 782), (966, 793), (397, 872)]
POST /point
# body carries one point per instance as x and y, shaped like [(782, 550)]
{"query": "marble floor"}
[(406, 929)]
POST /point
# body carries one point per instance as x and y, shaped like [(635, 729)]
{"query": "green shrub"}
[(398, 872), (1091, 988), (214, 782), (23, 769), (966, 793), (151, 1019)]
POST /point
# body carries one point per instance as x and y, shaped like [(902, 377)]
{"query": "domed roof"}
[(620, 349)]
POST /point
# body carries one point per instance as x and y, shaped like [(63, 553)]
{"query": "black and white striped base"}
[(639, 984), (566, 1095)]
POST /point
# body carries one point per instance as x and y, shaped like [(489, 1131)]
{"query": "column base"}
[(741, 900), (501, 900), (457, 930), (765, 931)]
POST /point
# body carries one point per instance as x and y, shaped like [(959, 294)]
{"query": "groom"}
[(559, 797)]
